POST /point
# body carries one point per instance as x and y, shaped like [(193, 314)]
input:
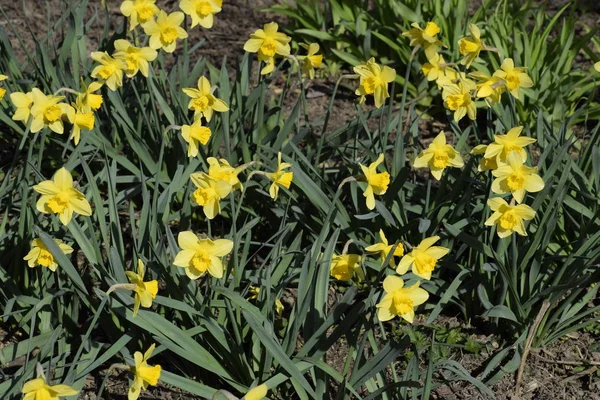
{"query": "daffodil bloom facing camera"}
[(508, 218), (268, 43), (221, 170), (110, 70), (257, 393), (438, 156), (374, 81), (81, 120), (47, 111), (516, 178), (199, 256), (489, 88), (193, 135), (145, 292), (383, 248), (87, 100), (423, 258), (424, 37), (503, 145), (135, 58), (457, 98), (144, 375), (165, 30), (209, 193), (280, 178), (310, 61), (40, 255), (138, 11), (515, 78), (38, 389), (23, 102), (377, 183), (203, 101), (485, 164), (201, 12), (435, 67), (60, 197), (345, 266), (399, 300), (471, 46)]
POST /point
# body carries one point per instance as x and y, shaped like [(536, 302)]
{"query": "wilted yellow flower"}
[(138, 11), (457, 98), (383, 248), (503, 145), (135, 58), (310, 61), (345, 266), (377, 183), (424, 37), (23, 103), (435, 68), (268, 42), (471, 46), (222, 170), (145, 292), (279, 177), (194, 134), (40, 255), (438, 156), (165, 30), (2, 90), (88, 101), (507, 218), (38, 389), (47, 111), (423, 258), (60, 197), (374, 80), (516, 178), (515, 78), (201, 12), (489, 87), (400, 301), (257, 393), (80, 120), (485, 164), (144, 374), (110, 70), (199, 256), (209, 193), (203, 101)]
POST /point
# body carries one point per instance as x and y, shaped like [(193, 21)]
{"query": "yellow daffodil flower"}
[(143, 374), (503, 145), (165, 30), (438, 156), (203, 101), (434, 68), (597, 66), (223, 171), (457, 98), (424, 37), (40, 255), (87, 100), (423, 258), (279, 308), (23, 102), (471, 46), (110, 70), (38, 389), (138, 11), (145, 292), (374, 80), (399, 300), (194, 134), (485, 164), (135, 58), (489, 88), (199, 256), (201, 12), (209, 193), (310, 61), (507, 218), (47, 111), (60, 197), (2, 90), (377, 183), (345, 266), (253, 292), (383, 248), (516, 178), (81, 121), (515, 78), (268, 43), (280, 178), (257, 393)]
